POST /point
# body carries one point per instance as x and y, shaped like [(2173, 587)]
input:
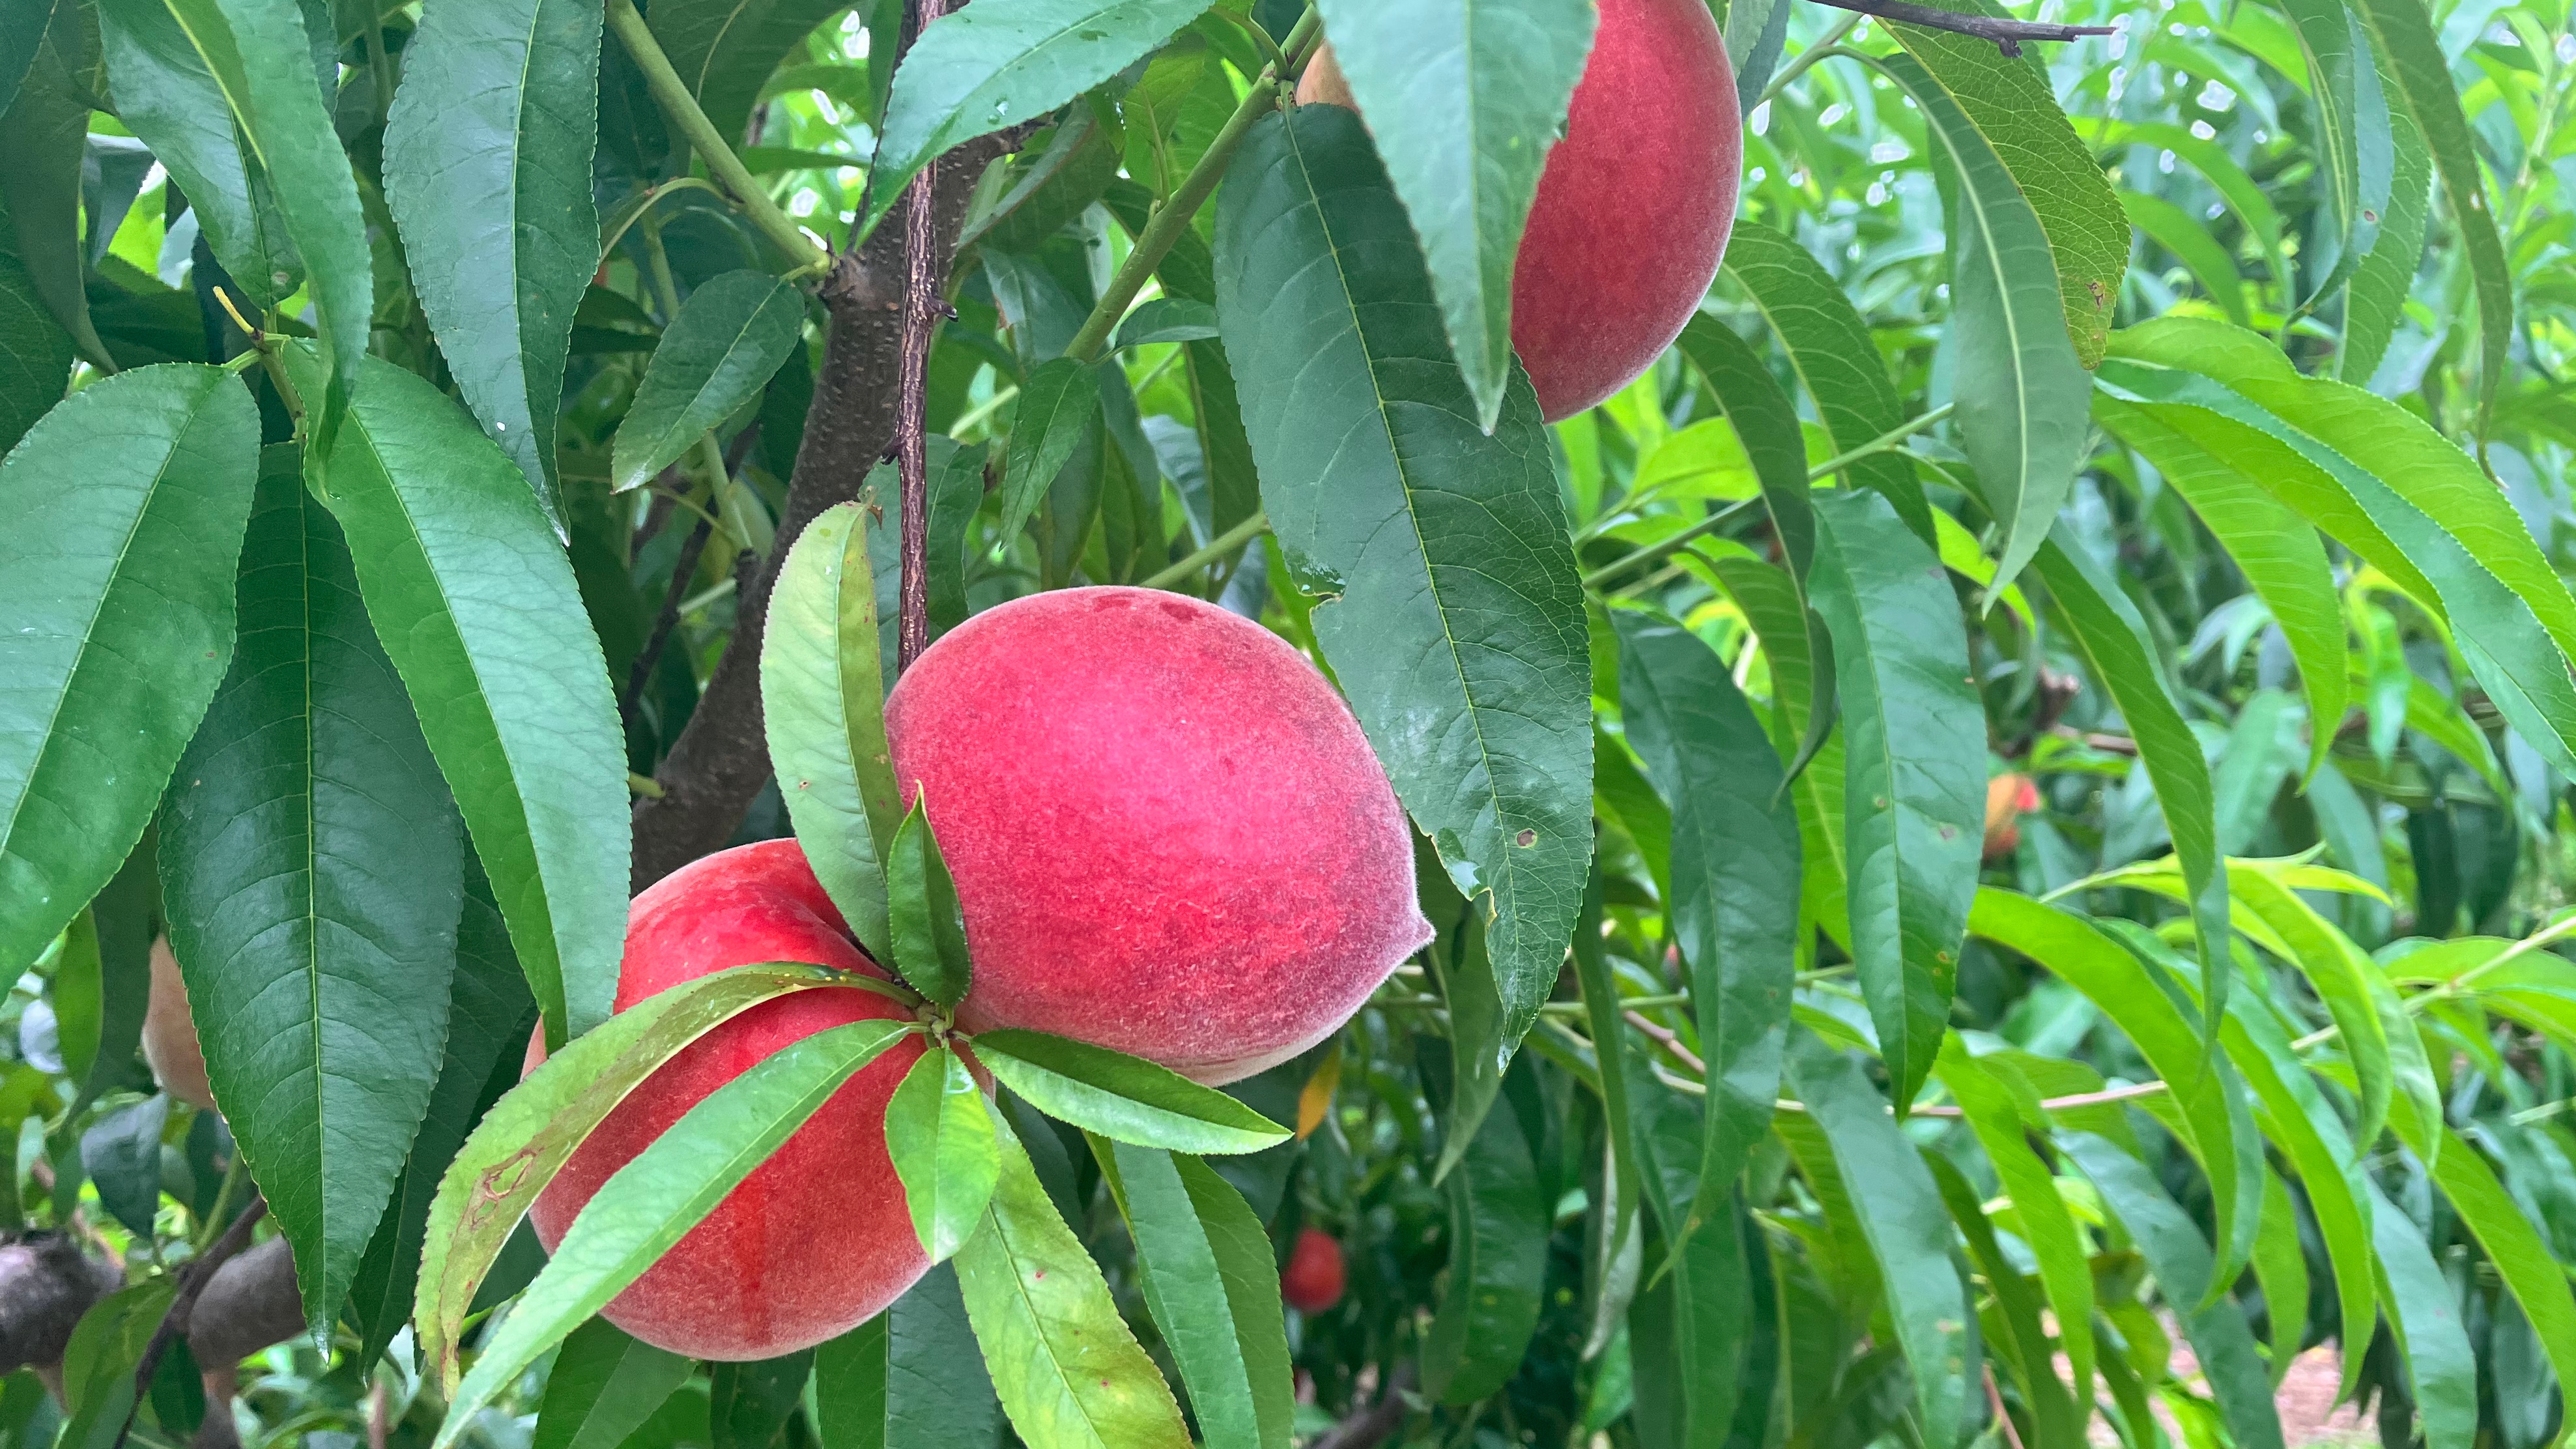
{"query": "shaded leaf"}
[(603, 1387), (909, 1378), (1498, 1234), (731, 335)]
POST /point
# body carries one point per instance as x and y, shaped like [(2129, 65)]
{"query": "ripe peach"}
[(170, 1033), (817, 1239), (1633, 206), (1169, 836), (1312, 1281)]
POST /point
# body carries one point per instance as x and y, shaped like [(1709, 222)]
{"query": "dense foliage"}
[(1998, 822)]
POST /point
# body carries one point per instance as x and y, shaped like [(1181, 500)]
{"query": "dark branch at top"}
[(2006, 34)]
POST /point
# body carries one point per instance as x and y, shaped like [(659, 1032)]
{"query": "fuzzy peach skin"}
[(1169, 836), (1633, 206), (817, 1239)]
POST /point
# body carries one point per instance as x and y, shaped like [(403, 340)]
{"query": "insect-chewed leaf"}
[(477, 605), (132, 568), (603, 1386), (731, 335), (1213, 1287), (1446, 594), (667, 1189), (515, 1150), (314, 878), (487, 156), (1067, 1370), (926, 927), (822, 699), (1466, 98), (1121, 1097), (941, 1139)]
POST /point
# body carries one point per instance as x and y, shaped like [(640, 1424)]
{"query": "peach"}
[(1312, 1281), (1633, 206), (817, 1239), (1168, 834), (170, 1033)]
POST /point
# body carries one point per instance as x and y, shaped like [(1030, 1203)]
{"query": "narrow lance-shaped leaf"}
[(669, 1188), (1498, 1233), (1213, 1287), (603, 1386), (2022, 393), (2353, 131), (35, 352), (822, 701), (909, 1378), (1058, 404), (941, 1140), (1734, 905), (2064, 1269), (2522, 1258), (477, 606), (1117, 1096), (1907, 1228), (726, 53), (119, 927), (975, 71), (2441, 1366), (1767, 425), (1066, 1368), (47, 122), (169, 97), (515, 1150), (1466, 98), (487, 171), (2375, 298), (731, 335), (1913, 771), (1448, 602), (135, 564), (2180, 1259), (314, 876), (925, 926)]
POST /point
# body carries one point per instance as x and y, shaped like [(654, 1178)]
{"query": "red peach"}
[(1312, 1281), (1168, 834), (1633, 206), (817, 1239)]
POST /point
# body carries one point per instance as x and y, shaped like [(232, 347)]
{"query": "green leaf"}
[(1067, 1370), (314, 877), (925, 926), (2441, 1366), (1477, 1053), (2281, 1272), (2375, 300), (1766, 426), (1834, 355), (478, 607), (22, 34), (822, 701), (726, 50), (35, 352), (603, 1386), (1498, 1249), (1213, 1288), (2181, 233), (975, 71), (1058, 405), (1167, 319), (941, 1140), (121, 1152), (2022, 392), (133, 566), (168, 96), (2279, 553), (1914, 745), (2180, 1260), (1734, 906), (261, 55), (731, 335), (2353, 133), (487, 154), (2115, 639), (47, 123), (2515, 1248), (1465, 98), (517, 1147), (909, 1378), (1121, 1097), (2404, 30), (669, 1188), (488, 1023), (1907, 1228), (2027, 1353), (114, 963), (2064, 1266), (99, 1362), (1448, 602), (2010, 101), (749, 1403)]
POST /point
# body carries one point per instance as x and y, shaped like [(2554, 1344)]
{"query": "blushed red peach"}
[(817, 1239), (1168, 834)]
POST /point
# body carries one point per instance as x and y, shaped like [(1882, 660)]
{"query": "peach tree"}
[(1134, 722)]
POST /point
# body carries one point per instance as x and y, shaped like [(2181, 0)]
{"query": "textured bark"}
[(720, 760)]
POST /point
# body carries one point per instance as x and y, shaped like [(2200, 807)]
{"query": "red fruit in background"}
[(1168, 835), (1312, 1281), (1633, 206), (2009, 797), (817, 1239)]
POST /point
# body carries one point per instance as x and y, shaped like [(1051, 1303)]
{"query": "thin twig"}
[(923, 305), (1372, 1425), (1665, 1038), (2007, 35), (1224, 543), (683, 570), (1995, 1396), (192, 1281)]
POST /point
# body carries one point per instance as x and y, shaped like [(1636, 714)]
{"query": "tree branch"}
[(192, 1282), (1371, 1426), (2007, 35), (924, 303)]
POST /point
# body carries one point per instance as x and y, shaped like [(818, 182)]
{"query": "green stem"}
[(220, 1216), (1823, 47), (1654, 551), (1884, 442), (673, 95), (1173, 216), (1225, 543)]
